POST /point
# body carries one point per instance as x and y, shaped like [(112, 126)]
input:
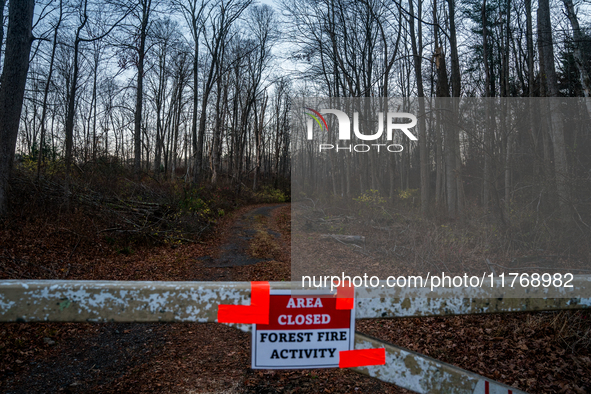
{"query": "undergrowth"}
[(126, 212)]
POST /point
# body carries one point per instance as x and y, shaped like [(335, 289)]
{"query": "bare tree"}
[(12, 87), (47, 84), (488, 133), (144, 17), (578, 52), (2, 6), (166, 38), (70, 111), (417, 52), (221, 20), (193, 12), (549, 78)]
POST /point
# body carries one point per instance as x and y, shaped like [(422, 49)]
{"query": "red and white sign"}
[(303, 332)]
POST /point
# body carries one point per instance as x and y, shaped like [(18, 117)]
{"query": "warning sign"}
[(303, 332)]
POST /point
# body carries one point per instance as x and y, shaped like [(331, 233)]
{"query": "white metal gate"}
[(119, 301)]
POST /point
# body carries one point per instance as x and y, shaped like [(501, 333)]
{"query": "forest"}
[(202, 90), (136, 137)]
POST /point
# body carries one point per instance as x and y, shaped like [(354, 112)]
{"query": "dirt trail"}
[(85, 364), (188, 358), (250, 226), (110, 356)]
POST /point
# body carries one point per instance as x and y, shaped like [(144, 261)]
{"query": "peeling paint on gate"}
[(406, 302), (96, 301), (99, 301), (420, 373), (371, 308)]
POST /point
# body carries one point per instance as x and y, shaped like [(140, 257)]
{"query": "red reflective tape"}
[(345, 303), (255, 313), (362, 357), (345, 296), (486, 388)]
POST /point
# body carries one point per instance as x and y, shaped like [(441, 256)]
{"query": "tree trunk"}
[(46, 88), (137, 132), (72, 104), (530, 48), (2, 5), (215, 149), (423, 153), (487, 131), (12, 87), (531, 82), (578, 40), (195, 93), (455, 159), (455, 60), (557, 130), (202, 120)]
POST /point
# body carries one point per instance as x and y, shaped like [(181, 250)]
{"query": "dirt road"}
[(184, 358)]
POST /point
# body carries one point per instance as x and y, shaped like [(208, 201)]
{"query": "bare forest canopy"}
[(201, 90)]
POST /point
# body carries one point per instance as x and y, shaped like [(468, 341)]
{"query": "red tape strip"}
[(345, 296), (362, 357), (255, 313)]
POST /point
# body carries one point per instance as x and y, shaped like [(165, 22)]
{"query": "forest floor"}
[(531, 351)]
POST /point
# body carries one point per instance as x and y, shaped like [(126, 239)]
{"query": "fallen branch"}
[(344, 238)]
